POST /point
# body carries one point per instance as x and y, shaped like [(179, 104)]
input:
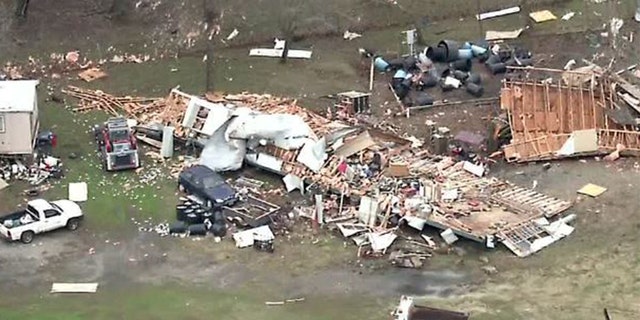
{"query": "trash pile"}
[(448, 65), (35, 174)]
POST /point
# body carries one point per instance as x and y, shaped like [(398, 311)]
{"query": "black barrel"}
[(497, 68), (525, 62), (446, 87), (493, 59), (462, 65), (218, 216), (197, 230), (436, 54), (219, 229), (428, 80), (396, 64), (474, 78), (423, 99), (451, 50), (193, 218), (180, 212), (460, 75), (178, 227), (475, 90)]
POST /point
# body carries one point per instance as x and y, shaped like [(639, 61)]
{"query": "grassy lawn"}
[(176, 302)]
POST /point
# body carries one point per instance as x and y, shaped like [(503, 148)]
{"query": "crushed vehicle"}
[(40, 216), (117, 145), (208, 186)]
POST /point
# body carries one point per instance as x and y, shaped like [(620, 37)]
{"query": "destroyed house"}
[(555, 114), (19, 122)]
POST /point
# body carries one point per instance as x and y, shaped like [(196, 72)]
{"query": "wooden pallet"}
[(527, 201), (519, 239)]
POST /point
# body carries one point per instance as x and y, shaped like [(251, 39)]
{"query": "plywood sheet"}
[(542, 16), (592, 190)]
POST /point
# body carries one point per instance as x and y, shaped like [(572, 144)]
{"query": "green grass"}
[(175, 302)]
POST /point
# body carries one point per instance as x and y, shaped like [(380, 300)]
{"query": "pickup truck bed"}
[(12, 220)]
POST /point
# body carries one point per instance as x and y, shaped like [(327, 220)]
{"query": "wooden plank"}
[(74, 288)]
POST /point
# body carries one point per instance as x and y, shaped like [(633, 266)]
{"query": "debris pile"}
[(35, 174), (448, 65), (556, 114), (374, 181), (133, 107)]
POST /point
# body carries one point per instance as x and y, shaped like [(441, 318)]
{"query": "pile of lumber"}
[(138, 108)]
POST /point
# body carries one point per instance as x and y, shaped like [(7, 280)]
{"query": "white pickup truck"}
[(39, 217)]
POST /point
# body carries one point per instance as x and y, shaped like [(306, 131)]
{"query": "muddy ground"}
[(144, 276)]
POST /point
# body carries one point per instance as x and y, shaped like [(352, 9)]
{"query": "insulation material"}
[(293, 182), (287, 131), (313, 154), (580, 141), (219, 154)]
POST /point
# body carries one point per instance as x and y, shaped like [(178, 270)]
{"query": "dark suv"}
[(207, 185)]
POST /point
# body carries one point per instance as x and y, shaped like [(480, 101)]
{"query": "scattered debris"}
[(92, 74), (348, 35), (74, 288), (502, 35), (233, 34), (283, 302), (499, 13), (279, 50), (542, 16), (592, 190), (568, 16), (247, 238), (407, 310)]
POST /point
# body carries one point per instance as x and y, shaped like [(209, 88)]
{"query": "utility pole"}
[(209, 19)]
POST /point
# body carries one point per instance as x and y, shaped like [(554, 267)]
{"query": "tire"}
[(27, 237), (73, 224)]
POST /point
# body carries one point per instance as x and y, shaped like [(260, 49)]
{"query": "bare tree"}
[(288, 22), (21, 8), (211, 20), (119, 8)]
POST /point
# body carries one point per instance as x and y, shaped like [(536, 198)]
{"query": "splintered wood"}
[(563, 117), (134, 107)]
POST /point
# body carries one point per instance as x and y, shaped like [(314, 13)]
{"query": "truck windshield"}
[(119, 135)]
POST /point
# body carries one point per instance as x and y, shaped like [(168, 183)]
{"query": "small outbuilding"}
[(19, 123)]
